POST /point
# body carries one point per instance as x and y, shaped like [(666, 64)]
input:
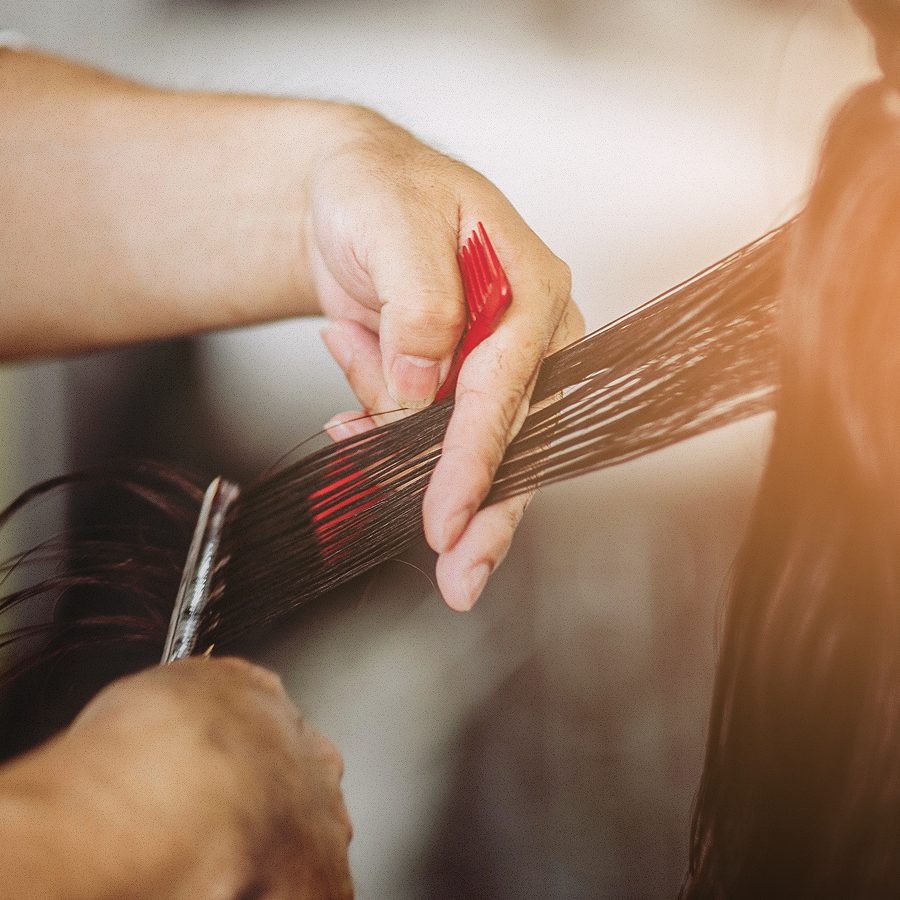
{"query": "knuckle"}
[(496, 417), (331, 755), (563, 277), (230, 665), (268, 680), (570, 328), (115, 700), (342, 821), (556, 283), (555, 276), (572, 324), (576, 323), (435, 314), (514, 514), (251, 673)]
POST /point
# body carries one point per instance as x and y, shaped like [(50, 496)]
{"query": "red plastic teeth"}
[(488, 294)]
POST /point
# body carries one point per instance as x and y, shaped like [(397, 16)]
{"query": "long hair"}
[(695, 358), (800, 793)]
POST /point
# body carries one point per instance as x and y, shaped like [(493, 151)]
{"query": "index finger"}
[(493, 394)]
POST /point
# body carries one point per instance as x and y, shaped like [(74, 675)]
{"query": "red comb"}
[(488, 295)]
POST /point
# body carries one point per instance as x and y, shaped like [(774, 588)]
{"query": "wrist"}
[(349, 140), (240, 170)]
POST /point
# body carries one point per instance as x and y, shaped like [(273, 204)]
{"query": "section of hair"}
[(800, 795), (695, 358), (110, 590)]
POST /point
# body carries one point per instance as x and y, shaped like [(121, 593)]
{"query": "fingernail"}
[(339, 345), (475, 583), (414, 380), (454, 526)]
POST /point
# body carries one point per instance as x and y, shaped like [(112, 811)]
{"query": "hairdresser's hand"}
[(386, 218), (185, 212), (199, 779)]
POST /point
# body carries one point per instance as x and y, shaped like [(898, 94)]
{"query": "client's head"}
[(800, 795), (841, 298)]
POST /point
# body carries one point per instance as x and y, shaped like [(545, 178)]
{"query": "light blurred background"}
[(549, 743)]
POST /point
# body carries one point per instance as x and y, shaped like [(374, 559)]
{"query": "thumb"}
[(422, 314)]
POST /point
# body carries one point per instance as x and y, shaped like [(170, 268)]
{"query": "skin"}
[(132, 214), (263, 815)]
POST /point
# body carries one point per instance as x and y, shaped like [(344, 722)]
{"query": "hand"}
[(206, 781), (187, 212), (386, 216)]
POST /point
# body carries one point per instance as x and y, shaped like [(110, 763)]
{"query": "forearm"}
[(130, 213)]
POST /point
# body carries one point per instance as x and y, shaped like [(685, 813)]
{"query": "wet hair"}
[(800, 792), (697, 357)]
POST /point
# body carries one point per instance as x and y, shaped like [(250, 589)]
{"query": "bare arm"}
[(130, 213)]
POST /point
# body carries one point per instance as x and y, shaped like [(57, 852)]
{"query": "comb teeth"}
[(487, 293), (337, 508), (698, 356)]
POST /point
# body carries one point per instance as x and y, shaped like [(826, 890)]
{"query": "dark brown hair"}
[(800, 795), (691, 360)]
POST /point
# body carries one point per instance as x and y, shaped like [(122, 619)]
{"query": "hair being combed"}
[(693, 359)]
